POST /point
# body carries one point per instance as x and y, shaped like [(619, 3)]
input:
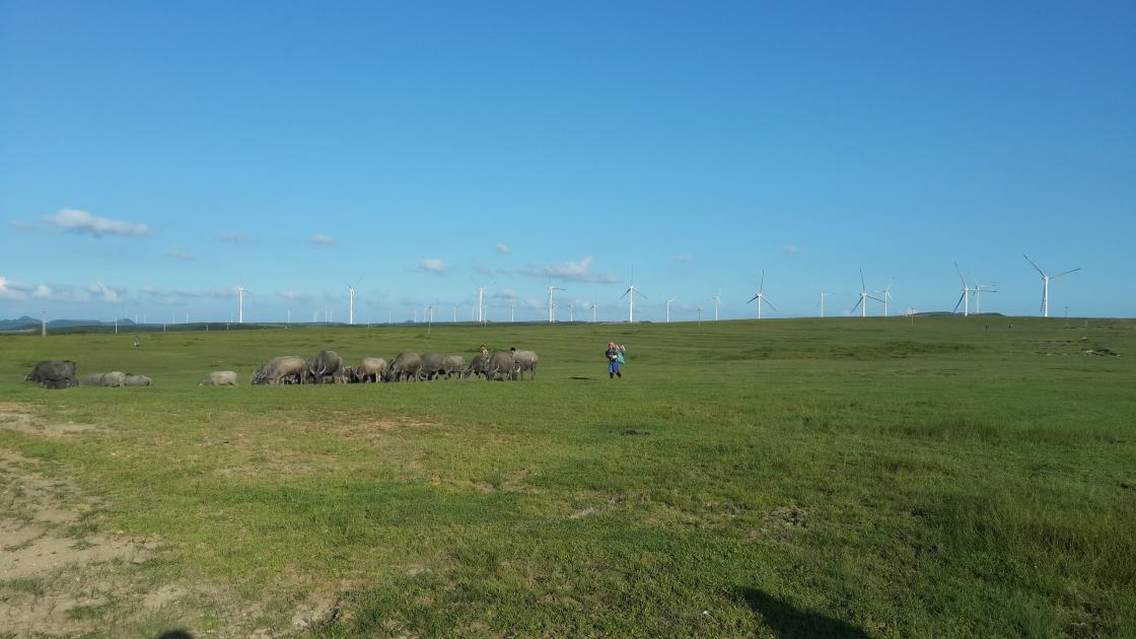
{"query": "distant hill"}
[(27, 323)]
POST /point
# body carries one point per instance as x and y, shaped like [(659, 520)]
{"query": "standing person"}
[(614, 359)]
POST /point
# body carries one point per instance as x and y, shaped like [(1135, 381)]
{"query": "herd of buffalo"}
[(325, 368)]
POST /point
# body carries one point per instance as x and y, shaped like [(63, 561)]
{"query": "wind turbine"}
[(669, 309), (481, 305), (551, 304), (631, 290), (1045, 277), (241, 304), (351, 292), (886, 295), (594, 306), (699, 315), (964, 299), (822, 296), (760, 297), (717, 302), (571, 313), (862, 303), (978, 290)]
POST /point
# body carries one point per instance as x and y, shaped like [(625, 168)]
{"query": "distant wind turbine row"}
[(968, 290)]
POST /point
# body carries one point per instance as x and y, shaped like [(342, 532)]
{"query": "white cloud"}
[(432, 265), (575, 271), (503, 249), (791, 249), (319, 239), (682, 258), (232, 238), (291, 295), (100, 292), (83, 223), (42, 291), (187, 294), (8, 291), (180, 255)]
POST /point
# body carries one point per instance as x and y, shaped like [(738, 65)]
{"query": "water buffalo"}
[(137, 380), (433, 365), (323, 368), (112, 379), (501, 363), (477, 366), (55, 373), (371, 369), (287, 369), (453, 365), (526, 361), (405, 367), (220, 378)]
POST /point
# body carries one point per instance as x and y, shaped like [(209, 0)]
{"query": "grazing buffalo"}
[(137, 380), (370, 370), (433, 366), (477, 366), (220, 378), (287, 369), (405, 367), (453, 365), (323, 368), (55, 373), (526, 361), (501, 363)]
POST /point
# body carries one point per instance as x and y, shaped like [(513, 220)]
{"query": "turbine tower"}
[(964, 299), (862, 303), (1045, 278), (351, 292), (978, 290), (717, 303), (822, 296), (481, 305), (594, 306), (241, 304), (551, 303), (760, 297), (631, 291), (669, 309)]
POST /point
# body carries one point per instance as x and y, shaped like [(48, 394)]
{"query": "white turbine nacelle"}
[(1045, 278)]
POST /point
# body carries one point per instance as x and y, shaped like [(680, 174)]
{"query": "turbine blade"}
[(863, 286), (762, 287), (766, 300), (642, 295), (1066, 273), (958, 303), (1035, 266), (857, 305), (751, 299), (959, 271), (625, 294)]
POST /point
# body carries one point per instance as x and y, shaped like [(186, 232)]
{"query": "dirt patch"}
[(21, 419)]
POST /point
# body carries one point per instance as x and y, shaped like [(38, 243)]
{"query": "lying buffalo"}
[(453, 365), (220, 378), (137, 380), (54, 373), (526, 361), (113, 379), (433, 365), (324, 368), (370, 370), (287, 369), (405, 367)]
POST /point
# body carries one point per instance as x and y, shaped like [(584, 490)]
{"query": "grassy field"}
[(785, 478)]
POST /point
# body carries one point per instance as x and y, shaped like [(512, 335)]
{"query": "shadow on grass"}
[(175, 634), (788, 622)]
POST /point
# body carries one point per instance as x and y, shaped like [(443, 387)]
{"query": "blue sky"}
[(153, 156)]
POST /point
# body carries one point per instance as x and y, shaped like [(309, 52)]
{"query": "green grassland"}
[(787, 478)]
